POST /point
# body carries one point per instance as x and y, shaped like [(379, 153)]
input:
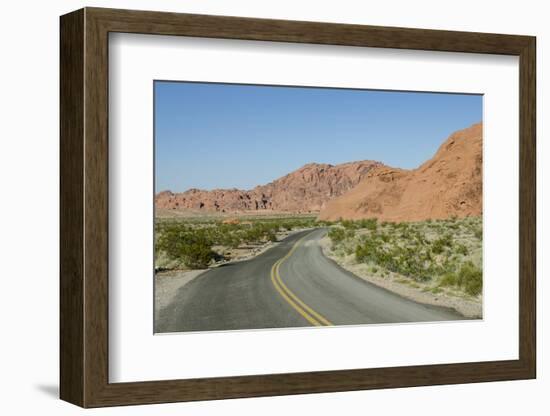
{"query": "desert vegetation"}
[(196, 243), (435, 256)]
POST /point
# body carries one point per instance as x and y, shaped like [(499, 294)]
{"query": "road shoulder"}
[(168, 284)]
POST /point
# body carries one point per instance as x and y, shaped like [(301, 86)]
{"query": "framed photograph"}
[(254, 207)]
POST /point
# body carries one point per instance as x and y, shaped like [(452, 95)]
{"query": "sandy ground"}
[(469, 309)]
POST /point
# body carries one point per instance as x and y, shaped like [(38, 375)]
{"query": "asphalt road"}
[(290, 285)]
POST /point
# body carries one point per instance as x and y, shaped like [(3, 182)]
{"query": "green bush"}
[(448, 279), (470, 278), (462, 249), (337, 235), (271, 236), (197, 255), (439, 245), (478, 233), (191, 246), (348, 224), (370, 224), (191, 242)]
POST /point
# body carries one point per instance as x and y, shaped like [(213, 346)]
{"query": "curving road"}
[(290, 285)]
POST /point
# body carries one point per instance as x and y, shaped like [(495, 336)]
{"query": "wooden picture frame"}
[(84, 207)]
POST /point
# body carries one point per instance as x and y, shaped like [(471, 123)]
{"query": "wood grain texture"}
[(96, 208), (84, 207), (162, 23), (71, 208), (527, 207)]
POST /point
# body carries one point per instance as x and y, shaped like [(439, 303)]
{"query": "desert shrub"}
[(271, 236), (348, 224), (191, 246), (420, 251), (413, 264), (232, 240), (191, 242), (337, 235), (439, 245), (198, 255), (171, 239), (403, 260), (417, 238), (361, 254), (324, 223), (368, 251), (252, 234), (370, 224), (448, 279), (470, 278), (462, 249), (478, 233)]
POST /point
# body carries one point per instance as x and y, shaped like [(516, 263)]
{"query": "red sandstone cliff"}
[(449, 184)]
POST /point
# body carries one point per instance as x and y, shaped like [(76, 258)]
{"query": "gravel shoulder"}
[(167, 286), (469, 309)]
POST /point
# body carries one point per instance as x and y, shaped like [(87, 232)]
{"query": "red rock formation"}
[(304, 190), (449, 184)]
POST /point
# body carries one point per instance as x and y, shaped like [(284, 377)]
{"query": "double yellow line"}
[(309, 314)]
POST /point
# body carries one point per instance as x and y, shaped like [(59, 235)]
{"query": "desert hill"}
[(449, 184), (304, 190)]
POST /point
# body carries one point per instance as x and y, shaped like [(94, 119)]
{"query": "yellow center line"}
[(304, 310)]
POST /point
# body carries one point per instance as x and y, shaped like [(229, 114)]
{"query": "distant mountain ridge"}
[(449, 184), (306, 189)]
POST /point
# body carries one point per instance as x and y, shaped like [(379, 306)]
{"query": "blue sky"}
[(227, 135)]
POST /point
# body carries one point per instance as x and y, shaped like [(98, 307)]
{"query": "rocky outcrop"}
[(449, 184), (304, 190)]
